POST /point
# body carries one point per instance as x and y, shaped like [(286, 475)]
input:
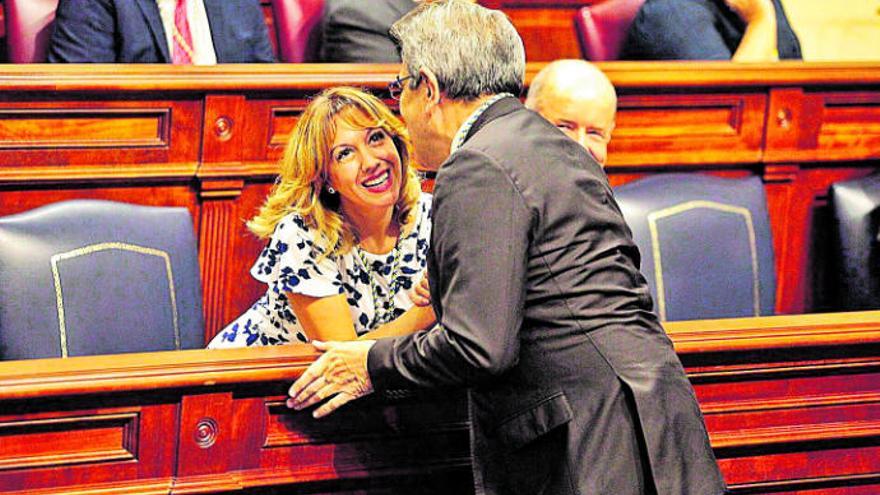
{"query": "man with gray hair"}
[(576, 97), (543, 314)]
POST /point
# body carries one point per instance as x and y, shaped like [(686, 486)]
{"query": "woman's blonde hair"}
[(299, 187)]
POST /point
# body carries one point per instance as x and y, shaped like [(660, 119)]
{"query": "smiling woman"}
[(348, 231)]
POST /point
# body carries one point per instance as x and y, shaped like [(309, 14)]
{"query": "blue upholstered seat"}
[(89, 277), (706, 244), (856, 243)]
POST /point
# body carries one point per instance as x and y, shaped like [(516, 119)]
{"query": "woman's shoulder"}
[(294, 228), (292, 239)]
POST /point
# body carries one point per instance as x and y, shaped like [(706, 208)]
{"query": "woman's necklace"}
[(383, 306)]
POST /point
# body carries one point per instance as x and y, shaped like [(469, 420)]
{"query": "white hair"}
[(473, 51)]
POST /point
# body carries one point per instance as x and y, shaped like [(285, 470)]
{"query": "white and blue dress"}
[(376, 286)]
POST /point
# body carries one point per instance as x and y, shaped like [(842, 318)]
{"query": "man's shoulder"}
[(383, 12)]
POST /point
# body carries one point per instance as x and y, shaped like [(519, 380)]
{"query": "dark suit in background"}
[(697, 30), (576, 388), (357, 30), (131, 31)]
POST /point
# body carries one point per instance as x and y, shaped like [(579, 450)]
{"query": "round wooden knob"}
[(783, 118), (223, 128), (206, 432)]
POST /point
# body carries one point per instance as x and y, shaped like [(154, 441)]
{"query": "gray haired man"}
[(543, 313)]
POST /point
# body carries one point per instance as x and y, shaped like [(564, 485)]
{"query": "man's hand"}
[(340, 374), (420, 295)]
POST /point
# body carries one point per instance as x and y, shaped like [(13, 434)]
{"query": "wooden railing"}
[(792, 404), (209, 138)]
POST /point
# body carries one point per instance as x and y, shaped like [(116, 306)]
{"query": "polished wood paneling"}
[(227, 428), (688, 129), (546, 26), (792, 404), (209, 138)]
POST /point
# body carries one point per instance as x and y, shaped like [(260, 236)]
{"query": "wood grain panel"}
[(687, 129), (851, 124), (60, 442), (68, 139), (405, 418), (548, 33), (84, 129), (229, 123), (281, 125), (792, 404), (807, 125), (109, 441)]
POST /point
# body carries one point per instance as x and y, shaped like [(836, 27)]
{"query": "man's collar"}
[(464, 131)]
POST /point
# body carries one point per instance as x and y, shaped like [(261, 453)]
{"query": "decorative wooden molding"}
[(775, 332), (144, 372), (61, 442), (775, 391)]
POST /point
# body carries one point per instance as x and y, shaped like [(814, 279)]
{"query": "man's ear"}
[(432, 87)]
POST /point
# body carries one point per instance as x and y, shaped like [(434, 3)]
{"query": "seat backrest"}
[(88, 277), (297, 25), (706, 244), (602, 28), (855, 206), (28, 28)]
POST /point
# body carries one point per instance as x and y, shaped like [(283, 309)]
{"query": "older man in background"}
[(576, 97), (543, 314)]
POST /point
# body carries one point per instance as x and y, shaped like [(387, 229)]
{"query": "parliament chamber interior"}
[(786, 372)]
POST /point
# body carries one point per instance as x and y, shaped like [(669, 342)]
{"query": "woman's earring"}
[(331, 190)]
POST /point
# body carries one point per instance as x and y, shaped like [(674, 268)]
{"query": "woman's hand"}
[(420, 294)]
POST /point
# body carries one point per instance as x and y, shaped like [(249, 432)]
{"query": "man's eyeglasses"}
[(395, 87)]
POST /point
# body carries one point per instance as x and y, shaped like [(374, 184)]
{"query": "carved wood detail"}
[(792, 404), (57, 442), (227, 125)]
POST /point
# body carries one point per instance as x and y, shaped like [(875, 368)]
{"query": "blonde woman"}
[(348, 230)]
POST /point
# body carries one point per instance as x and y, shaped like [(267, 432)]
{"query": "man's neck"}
[(456, 112)]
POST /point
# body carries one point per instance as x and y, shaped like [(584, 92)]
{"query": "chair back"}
[(87, 277), (706, 244), (602, 28), (28, 28), (297, 25), (855, 205)]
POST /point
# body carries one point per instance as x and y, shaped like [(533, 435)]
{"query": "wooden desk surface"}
[(792, 405)]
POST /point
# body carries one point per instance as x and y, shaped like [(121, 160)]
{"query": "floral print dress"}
[(289, 264)]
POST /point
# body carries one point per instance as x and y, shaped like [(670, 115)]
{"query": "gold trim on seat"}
[(104, 246), (654, 216)]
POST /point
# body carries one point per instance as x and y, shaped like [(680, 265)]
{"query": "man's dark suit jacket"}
[(131, 31), (575, 387), (697, 30), (357, 30)]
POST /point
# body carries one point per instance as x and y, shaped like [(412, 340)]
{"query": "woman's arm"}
[(323, 318), (329, 318), (416, 318)]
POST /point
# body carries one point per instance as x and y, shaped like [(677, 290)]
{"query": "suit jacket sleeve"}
[(83, 32), (480, 242)]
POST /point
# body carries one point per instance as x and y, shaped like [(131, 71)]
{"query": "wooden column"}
[(220, 183)]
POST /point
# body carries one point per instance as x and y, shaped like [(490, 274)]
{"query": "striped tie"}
[(183, 52)]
